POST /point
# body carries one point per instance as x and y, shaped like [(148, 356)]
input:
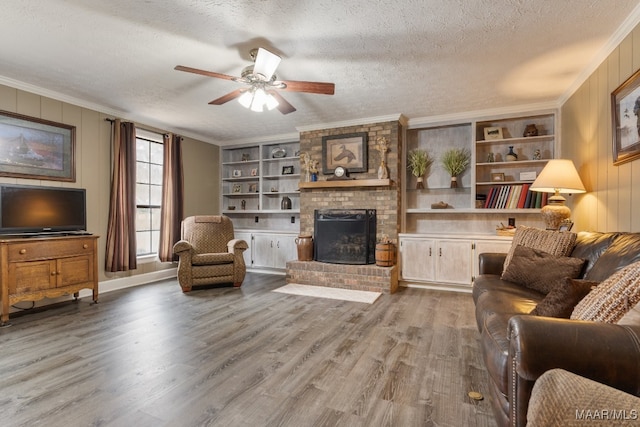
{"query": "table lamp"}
[(558, 176)]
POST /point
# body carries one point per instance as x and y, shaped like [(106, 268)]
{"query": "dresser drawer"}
[(27, 251)]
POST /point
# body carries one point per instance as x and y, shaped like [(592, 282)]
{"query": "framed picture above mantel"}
[(35, 148), (348, 151), (625, 111)]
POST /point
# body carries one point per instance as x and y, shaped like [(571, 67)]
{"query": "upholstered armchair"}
[(208, 252)]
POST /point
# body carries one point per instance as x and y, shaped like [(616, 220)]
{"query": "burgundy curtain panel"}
[(121, 230), (172, 197)]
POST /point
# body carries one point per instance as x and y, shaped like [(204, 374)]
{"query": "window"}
[(149, 162)]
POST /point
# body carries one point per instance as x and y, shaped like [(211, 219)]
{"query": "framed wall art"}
[(287, 170), (348, 151), (625, 111), (36, 149), (493, 133)]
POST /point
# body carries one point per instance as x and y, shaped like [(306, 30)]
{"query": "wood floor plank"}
[(222, 356)]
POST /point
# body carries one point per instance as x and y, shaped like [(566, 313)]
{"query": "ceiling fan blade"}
[(203, 72), (309, 87), (266, 63), (283, 105), (228, 97)]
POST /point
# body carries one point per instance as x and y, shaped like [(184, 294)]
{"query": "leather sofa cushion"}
[(540, 270), (494, 295), (590, 245), (613, 298), (562, 299), (623, 251)]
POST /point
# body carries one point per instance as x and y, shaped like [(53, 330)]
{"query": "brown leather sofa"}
[(518, 348)]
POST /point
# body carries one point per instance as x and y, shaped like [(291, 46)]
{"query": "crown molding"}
[(480, 114), (37, 90), (286, 137), (357, 122), (614, 41)]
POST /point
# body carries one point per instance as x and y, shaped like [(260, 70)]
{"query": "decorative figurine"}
[(530, 130), (511, 155), (383, 147), (536, 154), (490, 158)]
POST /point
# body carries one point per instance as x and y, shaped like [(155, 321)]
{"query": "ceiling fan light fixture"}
[(246, 98), (259, 99), (271, 102), (266, 63)]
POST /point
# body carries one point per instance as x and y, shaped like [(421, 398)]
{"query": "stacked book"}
[(516, 196)]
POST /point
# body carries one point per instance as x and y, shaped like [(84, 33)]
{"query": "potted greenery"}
[(419, 162), (455, 161)]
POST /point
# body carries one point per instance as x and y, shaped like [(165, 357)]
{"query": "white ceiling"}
[(421, 58)]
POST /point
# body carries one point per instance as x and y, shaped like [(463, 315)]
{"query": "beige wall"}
[(93, 135), (613, 199)]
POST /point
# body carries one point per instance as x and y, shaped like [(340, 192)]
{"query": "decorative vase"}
[(307, 176), (511, 156), (383, 173), (454, 182), (304, 244), (286, 203), (419, 184), (314, 177)]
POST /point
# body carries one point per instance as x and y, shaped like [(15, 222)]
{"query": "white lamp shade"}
[(558, 175)]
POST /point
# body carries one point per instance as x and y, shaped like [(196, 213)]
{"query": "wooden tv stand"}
[(34, 268)]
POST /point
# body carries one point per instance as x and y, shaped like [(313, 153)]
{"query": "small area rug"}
[(331, 293)]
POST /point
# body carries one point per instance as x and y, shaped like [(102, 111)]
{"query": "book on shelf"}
[(523, 195)]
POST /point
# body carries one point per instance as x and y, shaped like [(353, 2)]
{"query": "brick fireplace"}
[(386, 200)]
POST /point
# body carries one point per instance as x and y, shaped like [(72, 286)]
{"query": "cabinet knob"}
[(53, 273), (85, 246), (23, 251)]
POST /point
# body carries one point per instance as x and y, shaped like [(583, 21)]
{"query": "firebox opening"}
[(345, 236)]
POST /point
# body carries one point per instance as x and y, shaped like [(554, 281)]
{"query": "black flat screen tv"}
[(26, 209)]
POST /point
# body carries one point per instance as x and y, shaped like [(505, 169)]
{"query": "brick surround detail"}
[(355, 277), (385, 200)]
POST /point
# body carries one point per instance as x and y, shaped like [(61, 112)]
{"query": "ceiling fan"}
[(262, 86)]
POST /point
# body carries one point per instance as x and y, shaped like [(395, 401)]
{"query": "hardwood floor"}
[(153, 356)]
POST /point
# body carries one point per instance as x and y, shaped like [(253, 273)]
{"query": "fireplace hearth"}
[(345, 236)]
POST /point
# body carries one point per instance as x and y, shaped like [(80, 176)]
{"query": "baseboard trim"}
[(131, 281)]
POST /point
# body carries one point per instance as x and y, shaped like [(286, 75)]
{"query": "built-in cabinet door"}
[(247, 238), (263, 252), (417, 259), (453, 263), (286, 250), (273, 250)]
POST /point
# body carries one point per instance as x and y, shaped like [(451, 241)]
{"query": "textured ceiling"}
[(421, 58)]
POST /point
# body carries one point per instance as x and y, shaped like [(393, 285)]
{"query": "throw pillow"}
[(632, 317), (539, 270), (558, 243), (561, 300), (613, 298)]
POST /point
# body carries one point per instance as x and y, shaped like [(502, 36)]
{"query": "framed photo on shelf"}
[(34, 148), (237, 173), (348, 151), (493, 133), (287, 170), (566, 225), (497, 177), (237, 188), (254, 172), (625, 110), (253, 188)]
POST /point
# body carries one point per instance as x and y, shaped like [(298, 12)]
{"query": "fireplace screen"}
[(345, 236)]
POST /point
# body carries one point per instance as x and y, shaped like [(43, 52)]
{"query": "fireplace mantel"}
[(346, 183)]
